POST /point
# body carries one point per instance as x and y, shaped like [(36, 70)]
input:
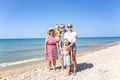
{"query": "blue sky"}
[(32, 18)]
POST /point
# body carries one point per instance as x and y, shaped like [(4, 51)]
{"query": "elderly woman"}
[(51, 49)]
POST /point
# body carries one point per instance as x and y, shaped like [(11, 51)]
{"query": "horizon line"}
[(78, 37)]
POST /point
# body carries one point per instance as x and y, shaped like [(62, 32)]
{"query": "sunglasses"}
[(51, 30), (69, 26)]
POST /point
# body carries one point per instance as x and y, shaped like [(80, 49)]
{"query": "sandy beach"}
[(100, 64)]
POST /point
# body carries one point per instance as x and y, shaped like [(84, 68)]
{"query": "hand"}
[(71, 59), (69, 45)]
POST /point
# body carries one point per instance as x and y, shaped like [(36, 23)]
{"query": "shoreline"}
[(32, 65), (97, 48), (85, 50)]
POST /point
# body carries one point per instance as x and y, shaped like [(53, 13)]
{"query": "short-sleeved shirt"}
[(62, 37), (71, 37)]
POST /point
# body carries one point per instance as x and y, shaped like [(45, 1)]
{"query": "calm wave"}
[(12, 50)]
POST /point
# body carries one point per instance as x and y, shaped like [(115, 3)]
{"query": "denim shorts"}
[(74, 48), (67, 60)]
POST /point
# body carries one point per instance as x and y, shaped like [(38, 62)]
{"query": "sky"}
[(32, 18)]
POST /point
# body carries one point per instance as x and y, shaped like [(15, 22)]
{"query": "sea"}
[(30, 49)]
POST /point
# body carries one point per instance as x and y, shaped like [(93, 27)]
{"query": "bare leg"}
[(68, 70), (74, 62), (71, 66), (62, 62), (71, 63), (54, 64), (49, 65)]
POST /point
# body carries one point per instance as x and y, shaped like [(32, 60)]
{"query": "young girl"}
[(51, 49), (57, 32), (67, 51)]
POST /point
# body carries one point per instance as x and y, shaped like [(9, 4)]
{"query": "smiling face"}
[(70, 27), (57, 27), (51, 32), (62, 28)]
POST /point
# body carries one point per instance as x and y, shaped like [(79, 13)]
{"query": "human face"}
[(57, 27), (51, 32), (62, 28), (66, 42), (69, 28)]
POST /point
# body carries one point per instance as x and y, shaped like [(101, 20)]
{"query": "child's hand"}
[(71, 59)]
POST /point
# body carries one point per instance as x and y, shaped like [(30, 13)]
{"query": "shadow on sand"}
[(83, 66), (80, 66)]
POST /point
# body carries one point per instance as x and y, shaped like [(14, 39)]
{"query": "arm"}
[(60, 46), (46, 41), (71, 44), (59, 43), (71, 54)]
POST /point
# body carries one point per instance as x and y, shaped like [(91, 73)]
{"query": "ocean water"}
[(12, 50)]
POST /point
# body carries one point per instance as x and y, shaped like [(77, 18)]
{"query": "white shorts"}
[(67, 60)]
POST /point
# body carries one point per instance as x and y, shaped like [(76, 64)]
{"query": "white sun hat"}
[(50, 29)]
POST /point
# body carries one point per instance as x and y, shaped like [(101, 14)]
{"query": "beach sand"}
[(102, 64)]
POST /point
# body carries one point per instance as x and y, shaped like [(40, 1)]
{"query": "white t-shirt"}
[(71, 37)]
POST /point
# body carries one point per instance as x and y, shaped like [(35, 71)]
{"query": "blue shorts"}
[(67, 60), (74, 48)]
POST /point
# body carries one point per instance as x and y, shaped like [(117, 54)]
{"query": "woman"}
[(51, 49), (72, 36)]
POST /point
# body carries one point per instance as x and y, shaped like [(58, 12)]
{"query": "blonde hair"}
[(70, 24), (66, 39)]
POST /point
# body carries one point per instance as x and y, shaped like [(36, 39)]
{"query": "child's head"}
[(66, 42), (57, 26)]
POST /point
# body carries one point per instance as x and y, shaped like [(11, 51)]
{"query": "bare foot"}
[(62, 68), (74, 74), (49, 70), (68, 74), (54, 69)]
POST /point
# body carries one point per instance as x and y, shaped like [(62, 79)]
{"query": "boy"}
[(67, 51)]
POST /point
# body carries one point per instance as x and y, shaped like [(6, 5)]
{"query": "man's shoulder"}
[(65, 33)]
